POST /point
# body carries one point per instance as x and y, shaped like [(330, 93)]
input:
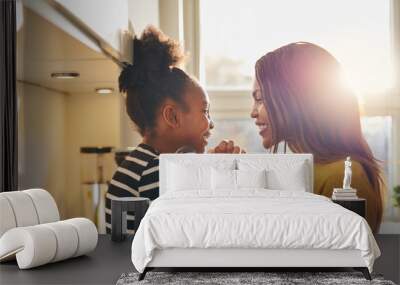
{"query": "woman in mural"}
[(299, 100), (170, 110)]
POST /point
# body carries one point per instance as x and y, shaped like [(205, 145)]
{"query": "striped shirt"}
[(137, 176)]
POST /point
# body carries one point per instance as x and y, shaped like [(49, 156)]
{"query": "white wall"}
[(171, 19), (41, 131), (92, 120), (143, 13), (106, 18), (52, 128), (44, 9)]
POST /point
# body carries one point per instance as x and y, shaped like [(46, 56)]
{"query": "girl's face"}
[(259, 113), (196, 122)]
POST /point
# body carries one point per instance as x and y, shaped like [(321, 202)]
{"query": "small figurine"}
[(347, 174)]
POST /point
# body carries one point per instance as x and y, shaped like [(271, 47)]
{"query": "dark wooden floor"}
[(110, 260), (389, 262), (102, 266)]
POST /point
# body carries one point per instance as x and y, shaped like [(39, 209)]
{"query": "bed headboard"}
[(192, 159)]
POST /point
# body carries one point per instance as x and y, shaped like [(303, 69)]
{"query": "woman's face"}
[(259, 113), (196, 121)]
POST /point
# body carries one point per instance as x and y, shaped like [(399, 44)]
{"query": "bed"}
[(247, 210)]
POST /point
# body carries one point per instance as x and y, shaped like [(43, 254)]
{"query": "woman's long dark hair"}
[(311, 110)]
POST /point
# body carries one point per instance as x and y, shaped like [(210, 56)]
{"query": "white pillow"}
[(223, 179), (281, 173), (292, 179), (251, 178), (188, 177)]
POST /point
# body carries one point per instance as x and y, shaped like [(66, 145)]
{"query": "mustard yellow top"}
[(330, 175)]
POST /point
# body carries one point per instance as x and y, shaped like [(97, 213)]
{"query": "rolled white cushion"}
[(45, 243), (23, 208), (46, 207), (87, 234), (33, 246), (7, 218), (67, 240), (26, 208)]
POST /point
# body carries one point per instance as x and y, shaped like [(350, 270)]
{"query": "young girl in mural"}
[(299, 99), (170, 110)]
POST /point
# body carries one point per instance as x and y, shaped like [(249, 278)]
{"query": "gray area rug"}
[(230, 278)]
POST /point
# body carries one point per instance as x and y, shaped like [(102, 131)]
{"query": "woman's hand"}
[(226, 146)]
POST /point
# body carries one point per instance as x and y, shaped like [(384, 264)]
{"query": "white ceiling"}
[(42, 48)]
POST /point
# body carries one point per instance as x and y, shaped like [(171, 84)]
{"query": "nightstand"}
[(119, 209), (358, 205)]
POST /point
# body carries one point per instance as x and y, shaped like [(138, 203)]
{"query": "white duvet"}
[(254, 218)]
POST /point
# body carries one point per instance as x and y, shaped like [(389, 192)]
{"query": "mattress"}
[(250, 219)]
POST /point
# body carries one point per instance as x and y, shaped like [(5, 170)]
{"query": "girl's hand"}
[(227, 146)]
